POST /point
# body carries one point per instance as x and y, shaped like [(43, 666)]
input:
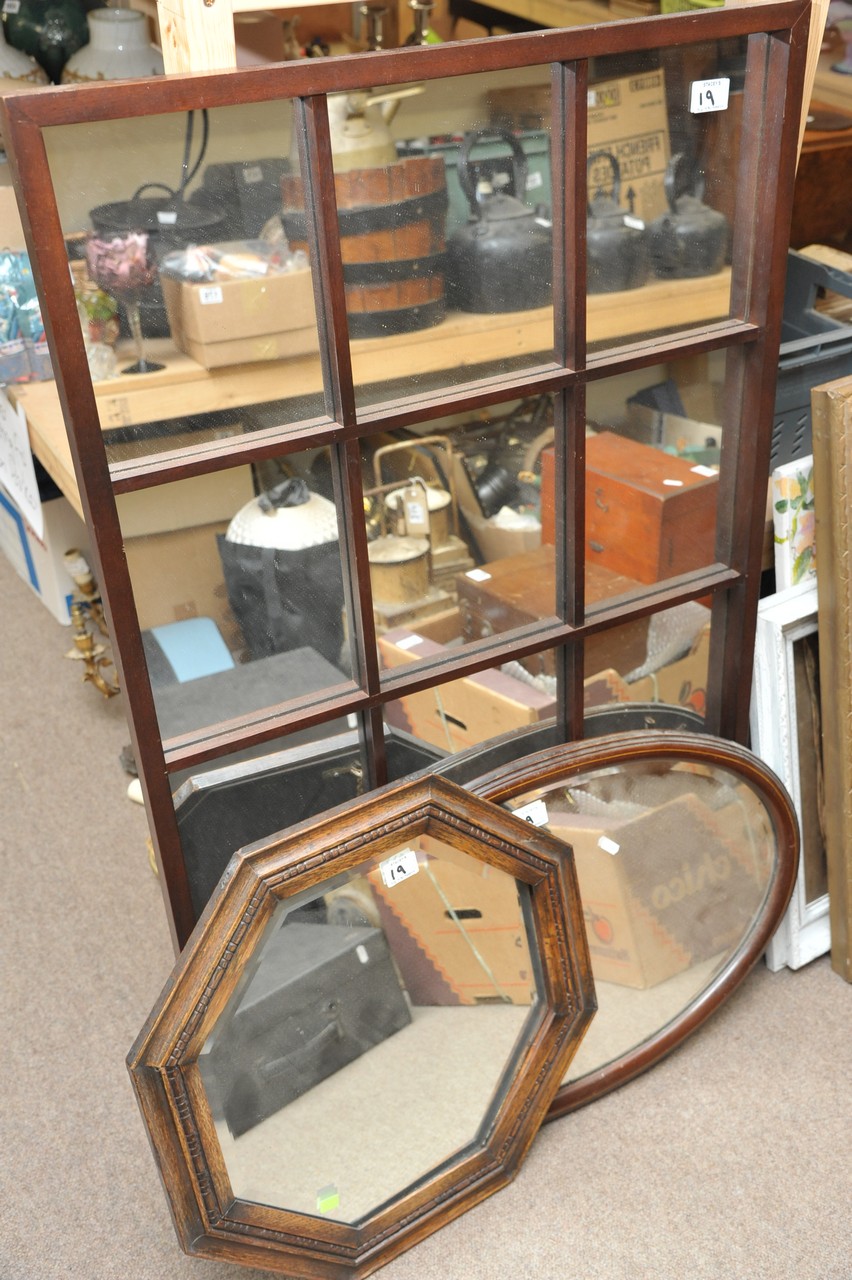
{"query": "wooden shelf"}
[(183, 387)]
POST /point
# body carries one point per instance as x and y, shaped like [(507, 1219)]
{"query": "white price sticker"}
[(11, 6), (636, 223), (253, 173), (209, 295), (709, 95), (609, 846), (399, 867), (167, 217), (701, 470), (409, 642), (534, 180), (535, 813), (477, 575)]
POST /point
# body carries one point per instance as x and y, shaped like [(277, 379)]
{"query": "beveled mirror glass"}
[(686, 850), (365, 1030)]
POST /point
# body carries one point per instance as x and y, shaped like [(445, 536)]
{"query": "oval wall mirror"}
[(365, 1030), (686, 848)]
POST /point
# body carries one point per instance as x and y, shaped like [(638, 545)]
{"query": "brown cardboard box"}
[(183, 504), (240, 321), (662, 891), (628, 117), (461, 713), (177, 575), (481, 956)]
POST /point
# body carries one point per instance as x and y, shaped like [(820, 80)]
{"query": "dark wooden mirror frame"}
[(209, 1220), (558, 764), (777, 43)]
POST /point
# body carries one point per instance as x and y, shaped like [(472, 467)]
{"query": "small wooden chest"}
[(649, 515), (521, 589)]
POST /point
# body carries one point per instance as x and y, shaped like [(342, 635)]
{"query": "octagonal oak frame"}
[(561, 764), (209, 1219), (777, 36)]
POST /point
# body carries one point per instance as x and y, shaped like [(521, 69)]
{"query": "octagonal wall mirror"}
[(365, 1030), (686, 849)]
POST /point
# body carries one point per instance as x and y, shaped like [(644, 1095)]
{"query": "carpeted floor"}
[(729, 1161)]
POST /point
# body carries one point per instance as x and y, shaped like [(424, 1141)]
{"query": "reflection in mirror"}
[(660, 194), (239, 596), (444, 208), (424, 957), (252, 794), (173, 229), (675, 860)]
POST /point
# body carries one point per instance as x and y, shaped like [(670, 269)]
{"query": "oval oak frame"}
[(209, 1219), (555, 764)]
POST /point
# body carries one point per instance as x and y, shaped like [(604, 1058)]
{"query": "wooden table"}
[(183, 387)]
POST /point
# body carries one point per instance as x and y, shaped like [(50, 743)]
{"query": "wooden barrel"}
[(392, 238)]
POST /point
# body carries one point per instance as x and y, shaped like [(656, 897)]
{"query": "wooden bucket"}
[(399, 569), (392, 236)]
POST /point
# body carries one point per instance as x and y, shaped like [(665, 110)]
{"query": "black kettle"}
[(501, 259), (691, 239), (616, 242)]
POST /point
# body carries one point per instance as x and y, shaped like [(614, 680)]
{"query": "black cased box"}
[(322, 995)]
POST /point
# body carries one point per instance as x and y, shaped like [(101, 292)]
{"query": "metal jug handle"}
[(676, 181), (467, 179), (616, 174)]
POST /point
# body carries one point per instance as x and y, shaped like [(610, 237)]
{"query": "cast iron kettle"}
[(502, 258), (691, 239), (616, 242)]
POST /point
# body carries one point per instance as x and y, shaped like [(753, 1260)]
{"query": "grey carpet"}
[(730, 1160)]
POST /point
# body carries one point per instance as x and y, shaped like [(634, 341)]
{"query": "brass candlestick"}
[(88, 621)]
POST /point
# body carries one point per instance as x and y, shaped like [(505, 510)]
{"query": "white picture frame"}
[(784, 619)]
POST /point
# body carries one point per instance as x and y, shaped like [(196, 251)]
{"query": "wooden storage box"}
[(649, 515), (521, 589)]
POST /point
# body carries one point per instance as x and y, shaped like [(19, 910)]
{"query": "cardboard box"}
[(662, 891), (628, 118), (456, 930), (461, 713), (39, 561), (184, 504), (177, 575), (241, 321)]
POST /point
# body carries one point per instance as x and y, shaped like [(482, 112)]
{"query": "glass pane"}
[(454, 528), (313, 1072), (662, 175), (239, 597), (674, 645), (174, 235), (652, 459), (674, 861), (253, 794), (446, 236)]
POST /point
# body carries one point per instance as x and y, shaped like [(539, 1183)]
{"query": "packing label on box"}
[(628, 118)]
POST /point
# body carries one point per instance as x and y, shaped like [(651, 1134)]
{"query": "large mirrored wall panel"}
[(444, 209), (182, 273), (239, 594), (662, 164), (314, 1070)]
